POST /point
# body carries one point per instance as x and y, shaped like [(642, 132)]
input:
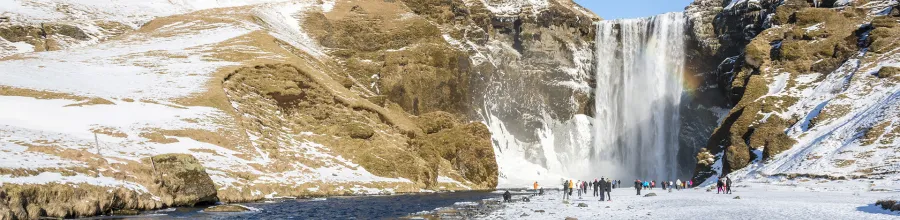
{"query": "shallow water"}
[(364, 207)]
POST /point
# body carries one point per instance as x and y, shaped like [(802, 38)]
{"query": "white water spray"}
[(640, 64)]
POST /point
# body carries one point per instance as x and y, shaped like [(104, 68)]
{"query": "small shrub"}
[(811, 16), (884, 22), (757, 52), (793, 50), (889, 72), (888, 204), (704, 158), (884, 39)]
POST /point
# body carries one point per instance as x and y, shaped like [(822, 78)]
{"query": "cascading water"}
[(639, 70), (634, 133)]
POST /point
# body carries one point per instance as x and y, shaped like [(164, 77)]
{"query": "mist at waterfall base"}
[(634, 132)]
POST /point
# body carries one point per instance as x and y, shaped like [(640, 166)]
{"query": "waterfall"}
[(634, 131), (639, 68)]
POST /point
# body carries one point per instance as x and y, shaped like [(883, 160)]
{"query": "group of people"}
[(723, 186), (677, 185), (604, 185), (600, 187)]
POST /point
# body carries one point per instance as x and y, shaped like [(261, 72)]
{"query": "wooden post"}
[(97, 145), (153, 164)]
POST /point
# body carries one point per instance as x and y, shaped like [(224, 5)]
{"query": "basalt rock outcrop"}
[(781, 70), (173, 180)]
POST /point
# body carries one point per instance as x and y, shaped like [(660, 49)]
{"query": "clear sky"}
[(614, 9)]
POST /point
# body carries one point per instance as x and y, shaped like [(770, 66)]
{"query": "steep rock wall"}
[(801, 84)]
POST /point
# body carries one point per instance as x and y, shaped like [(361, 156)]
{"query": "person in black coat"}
[(601, 188), (637, 186), (565, 189), (719, 185), (727, 185), (507, 197), (596, 185), (608, 191)]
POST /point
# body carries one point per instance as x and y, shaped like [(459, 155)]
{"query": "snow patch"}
[(48, 177)]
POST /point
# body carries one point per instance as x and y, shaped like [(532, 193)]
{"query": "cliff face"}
[(533, 67), (273, 98), (804, 88)]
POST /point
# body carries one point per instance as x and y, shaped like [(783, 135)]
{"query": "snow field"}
[(757, 201)]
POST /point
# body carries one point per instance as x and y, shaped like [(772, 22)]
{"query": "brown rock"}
[(183, 178), (226, 208)]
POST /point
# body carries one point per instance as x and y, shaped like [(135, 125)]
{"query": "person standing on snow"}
[(608, 190), (637, 186), (596, 186), (652, 184), (601, 186), (727, 185), (571, 187), (678, 184), (578, 185), (584, 188), (719, 185), (565, 189), (535, 188)]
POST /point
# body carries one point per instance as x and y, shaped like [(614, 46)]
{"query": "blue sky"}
[(614, 9)]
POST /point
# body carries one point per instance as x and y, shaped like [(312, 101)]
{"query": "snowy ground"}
[(757, 201)]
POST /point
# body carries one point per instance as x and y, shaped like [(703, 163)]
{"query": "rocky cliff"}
[(174, 103), (808, 84)]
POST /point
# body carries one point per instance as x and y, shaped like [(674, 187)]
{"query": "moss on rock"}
[(889, 72), (468, 149), (772, 136), (359, 131), (436, 121), (757, 52), (737, 156), (67, 201), (414, 65), (184, 180)]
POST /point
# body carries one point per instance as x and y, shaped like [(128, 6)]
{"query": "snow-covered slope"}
[(132, 92), (809, 113), (60, 24), (92, 111)]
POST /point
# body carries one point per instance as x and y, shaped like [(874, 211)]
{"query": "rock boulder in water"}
[(183, 181), (227, 208), (126, 212)]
